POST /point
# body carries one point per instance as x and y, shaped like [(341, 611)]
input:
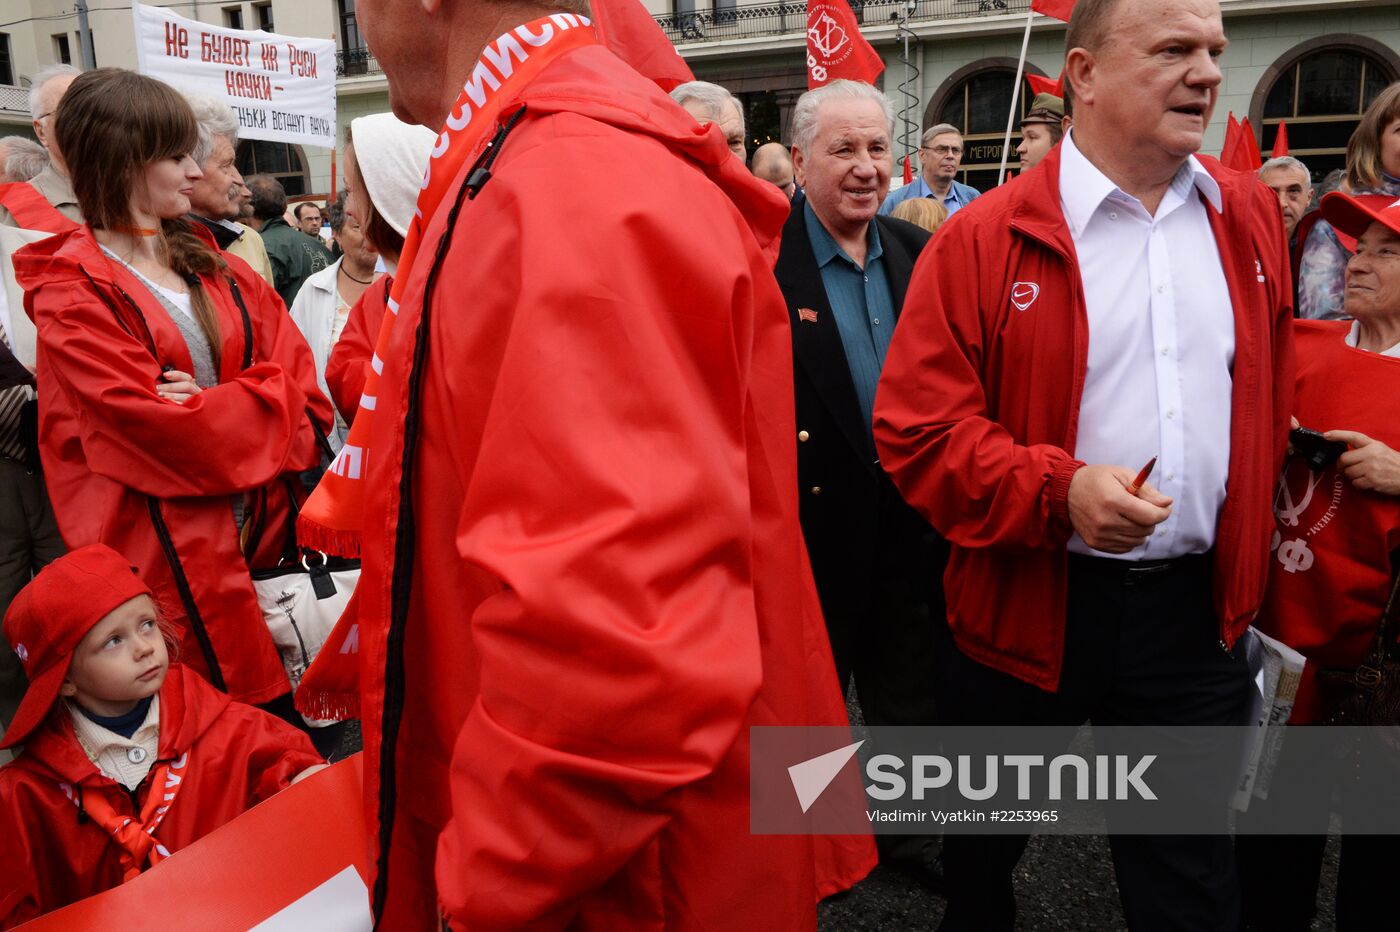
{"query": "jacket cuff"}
[(1058, 491)]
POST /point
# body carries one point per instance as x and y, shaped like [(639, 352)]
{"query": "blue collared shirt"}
[(861, 300)]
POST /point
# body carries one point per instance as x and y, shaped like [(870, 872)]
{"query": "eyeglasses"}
[(941, 151), (43, 116)]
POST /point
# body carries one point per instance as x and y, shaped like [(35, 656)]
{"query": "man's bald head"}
[(772, 163)]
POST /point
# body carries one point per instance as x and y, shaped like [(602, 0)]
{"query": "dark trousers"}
[(29, 540), (1279, 874), (1141, 648), (890, 653)]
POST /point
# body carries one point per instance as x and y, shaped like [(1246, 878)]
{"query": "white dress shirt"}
[(1161, 344)]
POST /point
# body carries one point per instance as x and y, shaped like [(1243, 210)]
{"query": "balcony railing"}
[(356, 62), (14, 98), (773, 19), (756, 20)]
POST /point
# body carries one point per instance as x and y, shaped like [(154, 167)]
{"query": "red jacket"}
[(117, 456), (607, 585), (978, 406), (53, 855), (1331, 572), (349, 359)]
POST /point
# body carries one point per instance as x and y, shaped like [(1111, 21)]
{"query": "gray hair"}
[(804, 115), (1286, 161), (215, 119), (42, 77), (938, 130), (24, 158), (711, 96)]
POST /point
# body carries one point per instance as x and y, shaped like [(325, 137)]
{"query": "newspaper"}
[(1276, 669)]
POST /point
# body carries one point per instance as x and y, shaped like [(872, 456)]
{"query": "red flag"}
[(1248, 155), (1055, 9), (1280, 141), (1041, 85), (835, 47), (1232, 141), (626, 28), (908, 170)]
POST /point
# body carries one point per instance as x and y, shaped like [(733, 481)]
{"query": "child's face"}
[(120, 661)]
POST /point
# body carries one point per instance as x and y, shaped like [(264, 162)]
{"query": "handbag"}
[(1370, 693)]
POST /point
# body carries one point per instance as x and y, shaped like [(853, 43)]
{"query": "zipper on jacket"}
[(395, 676), (182, 585)]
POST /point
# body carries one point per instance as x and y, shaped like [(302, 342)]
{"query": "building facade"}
[(1312, 63)]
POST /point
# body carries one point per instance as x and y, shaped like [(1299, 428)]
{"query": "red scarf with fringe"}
[(333, 517)]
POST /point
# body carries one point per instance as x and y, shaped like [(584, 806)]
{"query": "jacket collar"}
[(1084, 187), (225, 233)]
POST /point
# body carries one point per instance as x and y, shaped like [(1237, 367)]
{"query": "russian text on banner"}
[(281, 88)]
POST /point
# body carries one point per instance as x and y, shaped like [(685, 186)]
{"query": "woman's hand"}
[(178, 387), (1369, 464)]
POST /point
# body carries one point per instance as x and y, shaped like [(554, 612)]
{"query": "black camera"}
[(1316, 450)]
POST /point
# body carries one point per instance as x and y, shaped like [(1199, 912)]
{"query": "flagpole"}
[(1015, 97)]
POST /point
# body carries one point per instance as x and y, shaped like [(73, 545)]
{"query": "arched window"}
[(1320, 89), (976, 99), (281, 160)]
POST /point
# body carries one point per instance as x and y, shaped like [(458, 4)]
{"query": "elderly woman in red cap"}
[(127, 758), (1337, 534)]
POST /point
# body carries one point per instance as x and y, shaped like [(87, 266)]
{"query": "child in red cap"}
[(126, 757)]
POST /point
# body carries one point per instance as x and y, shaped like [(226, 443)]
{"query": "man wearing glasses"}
[(940, 157)]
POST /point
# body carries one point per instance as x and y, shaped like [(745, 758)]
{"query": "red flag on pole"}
[(1280, 141), (1055, 9), (835, 47), (908, 170), (627, 29)]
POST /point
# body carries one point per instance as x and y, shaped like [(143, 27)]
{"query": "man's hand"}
[(1106, 516), (1369, 464)]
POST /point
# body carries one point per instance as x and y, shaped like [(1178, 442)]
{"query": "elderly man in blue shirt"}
[(940, 157)]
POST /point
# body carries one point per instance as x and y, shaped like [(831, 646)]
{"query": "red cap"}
[(1351, 215), (53, 613)]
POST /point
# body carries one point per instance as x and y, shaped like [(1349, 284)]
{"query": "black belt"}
[(1134, 572)]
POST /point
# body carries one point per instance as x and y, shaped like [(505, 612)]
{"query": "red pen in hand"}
[(1142, 477)]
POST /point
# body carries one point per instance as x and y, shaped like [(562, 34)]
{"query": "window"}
[(233, 17), (62, 50), (262, 12), (1321, 96), (7, 63), (283, 161), (978, 105)]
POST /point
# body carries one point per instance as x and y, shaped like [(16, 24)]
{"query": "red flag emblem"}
[(807, 314), (835, 47)]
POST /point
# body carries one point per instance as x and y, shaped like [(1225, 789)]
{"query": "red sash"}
[(31, 210)]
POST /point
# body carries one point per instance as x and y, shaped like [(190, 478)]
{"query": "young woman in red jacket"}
[(126, 758), (178, 400)]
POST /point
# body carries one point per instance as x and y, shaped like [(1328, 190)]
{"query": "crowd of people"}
[(625, 488)]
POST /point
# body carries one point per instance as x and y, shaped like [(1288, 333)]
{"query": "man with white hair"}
[(710, 103), (21, 158), (843, 270), (45, 91), (1291, 182), (217, 197)]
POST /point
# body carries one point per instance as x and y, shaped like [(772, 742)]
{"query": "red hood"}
[(593, 82), (188, 706)]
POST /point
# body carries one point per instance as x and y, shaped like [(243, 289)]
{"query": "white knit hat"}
[(392, 157)]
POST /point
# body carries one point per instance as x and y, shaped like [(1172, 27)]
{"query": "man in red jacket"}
[(584, 578), (1122, 301)]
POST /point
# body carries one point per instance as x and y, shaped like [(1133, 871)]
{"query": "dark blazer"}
[(853, 519)]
